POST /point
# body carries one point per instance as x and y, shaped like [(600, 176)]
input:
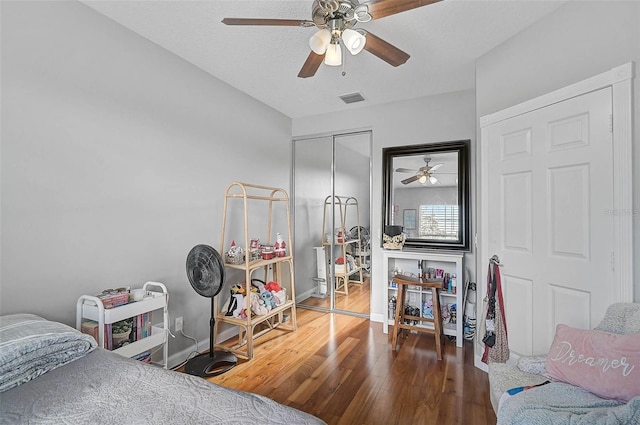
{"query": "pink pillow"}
[(606, 364)]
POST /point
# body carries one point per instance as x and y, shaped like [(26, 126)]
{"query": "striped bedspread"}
[(31, 346)]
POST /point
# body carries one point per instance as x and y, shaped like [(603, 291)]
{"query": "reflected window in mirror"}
[(426, 192)]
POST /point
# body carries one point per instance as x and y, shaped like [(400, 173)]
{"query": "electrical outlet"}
[(179, 321)]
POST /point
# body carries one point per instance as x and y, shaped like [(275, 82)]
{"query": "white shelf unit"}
[(90, 307), (346, 206), (407, 262), (282, 317)]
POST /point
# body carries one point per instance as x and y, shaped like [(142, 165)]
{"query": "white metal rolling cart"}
[(156, 298)]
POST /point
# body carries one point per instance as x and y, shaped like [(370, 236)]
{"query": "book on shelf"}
[(90, 327), (116, 335), (144, 357), (114, 297), (142, 326), (120, 333)]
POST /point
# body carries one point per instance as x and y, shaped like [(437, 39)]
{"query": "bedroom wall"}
[(578, 41), (115, 157), (439, 118)]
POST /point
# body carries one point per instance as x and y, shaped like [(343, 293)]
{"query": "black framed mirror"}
[(426, 194)]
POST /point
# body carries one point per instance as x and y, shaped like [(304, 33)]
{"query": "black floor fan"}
[(205, 270)]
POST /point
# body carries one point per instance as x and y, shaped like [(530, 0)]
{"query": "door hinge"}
[(475, 240), (613, 261), (611, 123)]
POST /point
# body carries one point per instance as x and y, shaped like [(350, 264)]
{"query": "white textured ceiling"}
[(443, 39)]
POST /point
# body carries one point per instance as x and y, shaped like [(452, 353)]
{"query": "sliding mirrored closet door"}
[(331, 213)]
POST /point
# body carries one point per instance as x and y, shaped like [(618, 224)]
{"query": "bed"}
[(52, 374)]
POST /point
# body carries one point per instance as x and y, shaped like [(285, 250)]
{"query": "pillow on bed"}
[(606, 364), (31, 346)]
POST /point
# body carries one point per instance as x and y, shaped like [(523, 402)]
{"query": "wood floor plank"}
[(342, 369), (311, 384)]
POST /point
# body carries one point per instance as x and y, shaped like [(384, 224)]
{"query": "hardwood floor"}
[(342, 369), (357, 301)]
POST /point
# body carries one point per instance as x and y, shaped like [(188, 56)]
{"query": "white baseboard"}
[(303, 296), (477, 362), (376, 317)]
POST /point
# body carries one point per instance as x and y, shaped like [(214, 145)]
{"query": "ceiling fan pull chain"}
[(344, 59)]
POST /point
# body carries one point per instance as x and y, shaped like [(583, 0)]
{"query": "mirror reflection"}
[(331, 215), (427, 194)]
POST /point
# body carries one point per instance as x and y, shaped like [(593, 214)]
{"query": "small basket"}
[(393, 242), (235, 259)]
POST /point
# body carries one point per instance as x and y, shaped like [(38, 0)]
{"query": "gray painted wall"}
[(440, 118), (115, 158), (576, 42)]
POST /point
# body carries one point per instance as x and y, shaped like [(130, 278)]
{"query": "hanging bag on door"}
[(496, 342)]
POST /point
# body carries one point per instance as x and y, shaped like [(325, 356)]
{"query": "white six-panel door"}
[(549, 194)]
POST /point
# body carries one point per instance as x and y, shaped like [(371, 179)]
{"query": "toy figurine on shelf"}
[(280, 247), (235, 254), (254, 249)]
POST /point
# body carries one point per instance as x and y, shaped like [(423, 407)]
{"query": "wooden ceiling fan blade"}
[(435, 167), (268, 22), (311, 65), (385, 51), (381, 8), (405, 170), (410, 179)]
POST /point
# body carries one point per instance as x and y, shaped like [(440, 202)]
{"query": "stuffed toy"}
[(236, 289), (257, 283), (269, 302), (257, 305), (272, 286), (239, 304), (231, 305)]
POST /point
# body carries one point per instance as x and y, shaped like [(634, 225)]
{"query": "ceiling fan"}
[(423, 174), (336, 20)]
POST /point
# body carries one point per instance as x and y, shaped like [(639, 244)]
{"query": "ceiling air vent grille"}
[(352, 97)]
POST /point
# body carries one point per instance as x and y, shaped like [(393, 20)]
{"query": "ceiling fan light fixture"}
[(353, 41), (320, 41), (333, 57), (423, 179), (433, 180)]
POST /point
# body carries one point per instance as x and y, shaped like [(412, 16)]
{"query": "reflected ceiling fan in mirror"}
[(336, 21), (423, 174)]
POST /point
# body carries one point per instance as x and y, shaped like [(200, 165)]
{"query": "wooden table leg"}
[(437, 321), (399, 315)]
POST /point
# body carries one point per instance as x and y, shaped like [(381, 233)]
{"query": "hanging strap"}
[(498, 283), (494, 294), (489, 336)]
